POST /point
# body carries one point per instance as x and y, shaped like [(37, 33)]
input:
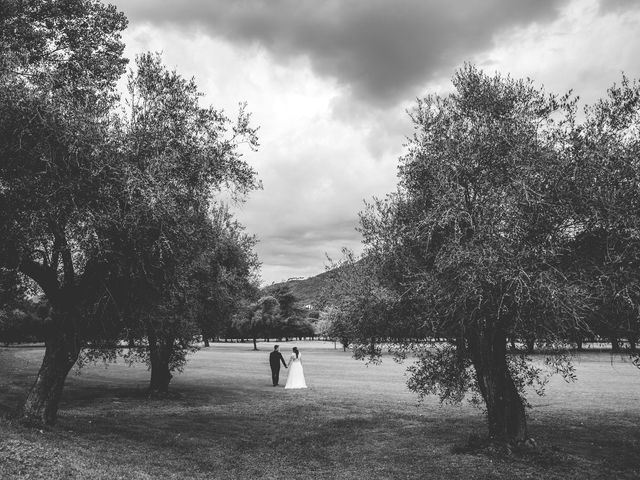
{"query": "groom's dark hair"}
[(275, 347)]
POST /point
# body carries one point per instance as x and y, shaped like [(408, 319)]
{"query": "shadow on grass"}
[(223, 439), (614, 445), (90, 395), (563, 449), (7, 411)]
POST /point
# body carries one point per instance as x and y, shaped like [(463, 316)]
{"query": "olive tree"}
[(471, 242), (59, 64), (178, 156), (103, 207)]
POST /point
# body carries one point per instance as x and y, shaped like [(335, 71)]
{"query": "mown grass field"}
[(223, 419)]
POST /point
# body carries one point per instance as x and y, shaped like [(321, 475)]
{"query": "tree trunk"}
[(61, 352), (255, 344), (615, 344), (531, 343), (160, 355), (505, 410)]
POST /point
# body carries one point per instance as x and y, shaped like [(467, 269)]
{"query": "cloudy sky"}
[(329, 82)]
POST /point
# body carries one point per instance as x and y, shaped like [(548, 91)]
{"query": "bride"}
[(295, 379)]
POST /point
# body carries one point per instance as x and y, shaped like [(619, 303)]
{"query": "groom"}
[(275, 358)]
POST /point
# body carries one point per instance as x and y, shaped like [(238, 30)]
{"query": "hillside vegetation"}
[(307, 291)]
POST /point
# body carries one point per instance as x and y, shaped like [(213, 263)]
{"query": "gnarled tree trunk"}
[(505, 410), (62, 347)]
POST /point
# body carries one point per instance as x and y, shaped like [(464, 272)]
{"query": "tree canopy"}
[(107, 205), (471, 242)]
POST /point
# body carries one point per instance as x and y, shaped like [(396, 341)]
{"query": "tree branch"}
[(45, 277), (65, 251)]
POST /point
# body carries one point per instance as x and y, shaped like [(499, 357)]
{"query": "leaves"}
[(440, 370), (109, 206), (474, 232)]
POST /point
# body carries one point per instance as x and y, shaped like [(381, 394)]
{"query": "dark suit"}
[(275, 358)]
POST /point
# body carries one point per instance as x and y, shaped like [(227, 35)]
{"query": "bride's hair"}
[(295, 350)]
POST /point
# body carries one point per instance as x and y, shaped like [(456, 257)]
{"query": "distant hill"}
[(307, 291)]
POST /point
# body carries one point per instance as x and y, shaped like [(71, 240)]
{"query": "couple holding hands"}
[(295, 379)]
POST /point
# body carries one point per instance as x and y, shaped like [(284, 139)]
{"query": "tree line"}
[(277, 315)]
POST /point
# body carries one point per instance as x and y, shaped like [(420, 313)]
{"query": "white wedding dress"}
[(295, 379)]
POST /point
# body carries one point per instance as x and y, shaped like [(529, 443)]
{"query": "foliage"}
[(360, 309), (605, 252), (60, 63), (472, 241), (60, 42), (337, 327), (442, 371), (24, 322), (106, 210), (57, 86), (511, 220), (287, 301), (297, 326), (177, 252), (277, 315), (258, 319), (223, 276), (12, 290)]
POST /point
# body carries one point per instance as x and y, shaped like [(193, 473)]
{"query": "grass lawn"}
[(223, 419)]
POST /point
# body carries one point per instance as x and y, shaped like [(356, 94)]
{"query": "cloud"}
[(328, 82), (617, 6), (316, 168), (378, 49), (314, 187), (583, 50)]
